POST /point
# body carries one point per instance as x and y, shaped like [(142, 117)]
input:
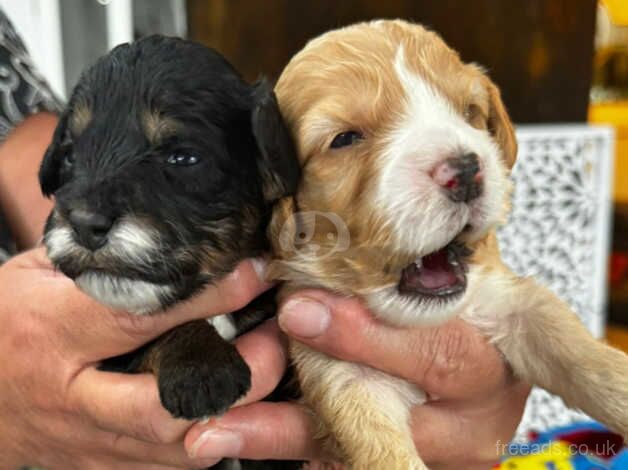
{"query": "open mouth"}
[(440, 274)]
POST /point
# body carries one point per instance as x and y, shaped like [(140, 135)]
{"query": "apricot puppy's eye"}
[(179, 159), (346, 138), (474, 116)]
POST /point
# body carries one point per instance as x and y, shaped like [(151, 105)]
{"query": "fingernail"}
[(259, 265), (216, 443), (304, 317)]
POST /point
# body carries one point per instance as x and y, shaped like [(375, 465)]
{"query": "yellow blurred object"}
[(617, 335), (616, 114), (618, 9)]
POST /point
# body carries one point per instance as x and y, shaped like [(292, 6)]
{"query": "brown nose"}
[(461, 177)]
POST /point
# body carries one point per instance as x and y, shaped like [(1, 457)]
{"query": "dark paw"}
[(194, 390)]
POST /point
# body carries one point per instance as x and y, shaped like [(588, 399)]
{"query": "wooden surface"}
[(540, 52)]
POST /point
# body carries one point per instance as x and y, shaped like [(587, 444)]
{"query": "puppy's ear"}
[(50, 166), (278, 163), (282, 233), (500, 126)]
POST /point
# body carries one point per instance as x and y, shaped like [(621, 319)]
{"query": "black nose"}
[(91, 228), (461, 177)]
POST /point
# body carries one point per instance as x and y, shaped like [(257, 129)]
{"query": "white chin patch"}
[(404, 310), (120, 293)]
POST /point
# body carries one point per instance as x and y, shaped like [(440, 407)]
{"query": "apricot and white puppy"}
[(405, 152)]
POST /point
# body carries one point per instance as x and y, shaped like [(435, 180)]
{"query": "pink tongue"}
[(437, 272)]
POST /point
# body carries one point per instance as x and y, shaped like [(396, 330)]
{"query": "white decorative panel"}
[(559, 231)]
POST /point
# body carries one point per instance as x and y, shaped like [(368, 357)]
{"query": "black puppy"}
[(164, 167)]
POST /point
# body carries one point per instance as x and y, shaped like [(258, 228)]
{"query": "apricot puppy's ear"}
[(278, 163), (51, 164), (500, 126), (282, 233)]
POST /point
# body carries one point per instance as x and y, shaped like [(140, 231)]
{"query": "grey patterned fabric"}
[(23, 92)]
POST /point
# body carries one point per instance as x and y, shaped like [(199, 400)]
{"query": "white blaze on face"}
[(422, 218), (429, 131)]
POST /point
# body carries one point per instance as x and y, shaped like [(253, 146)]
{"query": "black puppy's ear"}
[(50, 165), (278, 163)]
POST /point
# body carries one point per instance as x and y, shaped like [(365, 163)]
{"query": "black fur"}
[(106, 161), (116, 171)]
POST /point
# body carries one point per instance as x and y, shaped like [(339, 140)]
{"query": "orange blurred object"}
[(615, 114)]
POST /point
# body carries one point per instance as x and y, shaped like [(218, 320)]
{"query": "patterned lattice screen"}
[(559, 231)]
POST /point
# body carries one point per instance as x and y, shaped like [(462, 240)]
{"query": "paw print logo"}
[(298, 234)]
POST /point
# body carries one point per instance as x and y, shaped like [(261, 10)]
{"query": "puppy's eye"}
[(181, 159), (474, 116), (68, 159), (345, 139)]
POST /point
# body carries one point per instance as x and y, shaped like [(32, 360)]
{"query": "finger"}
[(135, 466), (130, 404), (91, 331), (265, 351), (262, 430), (441, 429), (231, 293), (452, 361), (124, 404), (109, 462), (139, 454)]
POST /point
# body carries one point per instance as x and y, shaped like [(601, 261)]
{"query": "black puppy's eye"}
[(68, 158), (345, 139), (181, 159)]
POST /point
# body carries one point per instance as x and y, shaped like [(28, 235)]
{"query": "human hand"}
[(21, 200), (58, 411), (474, 403)]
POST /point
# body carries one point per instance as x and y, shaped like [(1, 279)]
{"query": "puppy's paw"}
[(599, 387), (196, 389)]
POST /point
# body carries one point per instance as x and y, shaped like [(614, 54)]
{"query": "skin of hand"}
[(20, 197), (58, 411), (474, 408)]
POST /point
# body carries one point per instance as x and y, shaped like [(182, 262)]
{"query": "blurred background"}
[(562, 66)]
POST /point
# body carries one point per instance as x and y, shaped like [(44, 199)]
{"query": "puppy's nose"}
[(91, 228), (461, 177)]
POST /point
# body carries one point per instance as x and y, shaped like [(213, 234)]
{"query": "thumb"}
[(449, 361)]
